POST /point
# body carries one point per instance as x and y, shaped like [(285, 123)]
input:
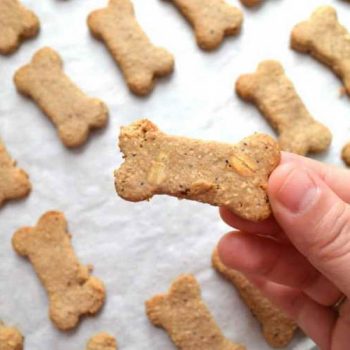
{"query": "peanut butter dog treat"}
[(327, 40), (185, 317), (277, 328), (346, 154), (234, 176), (212, 20), (274, 94), (251, 3), (140, 61), (10, 338), (72, 112), (14, 182), (102, 341), (16, 23), (71, 290)]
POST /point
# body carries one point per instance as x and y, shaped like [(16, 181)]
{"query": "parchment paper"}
[(138, 249)]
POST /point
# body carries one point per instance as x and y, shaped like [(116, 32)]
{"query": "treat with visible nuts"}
[(346, 154), (14, 182), (102, 341), (233, 176), (274, 95), (211, 20), (140, 61), (72, 291), (16, 24), (277, 328), (251, 3), (323, 37), (72, 112), (10, 338), (185, 317)]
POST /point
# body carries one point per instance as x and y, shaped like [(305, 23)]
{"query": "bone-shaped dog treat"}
[(14, 182), (277, 328), (346, 154), (327, 40), (72, 112), (274, 95), (102, 341), (140, 61), (72, 291), (251, 3), (212, 20), (16, 23), (10, 338), (185, 317), (234, 176)]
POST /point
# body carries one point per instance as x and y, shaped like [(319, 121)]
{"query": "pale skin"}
[(300, 257)]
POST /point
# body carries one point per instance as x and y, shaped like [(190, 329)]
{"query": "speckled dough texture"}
[(102, 341), (72, 291), (10, 338), (14, 182), (212, 20), (233, 176), (73, 113), (346, 154), (140, 61), (327, 40), (277, 328), (275, 96), (185, 317), (16, 24), (251, 3)]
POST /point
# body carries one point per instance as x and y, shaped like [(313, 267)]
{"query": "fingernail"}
[(298, 192)]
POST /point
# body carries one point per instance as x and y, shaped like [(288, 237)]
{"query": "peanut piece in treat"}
[(183, 314), (275, 96), (233, 176), (346, 154)]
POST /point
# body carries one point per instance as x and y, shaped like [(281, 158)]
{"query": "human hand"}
[(300, 257)]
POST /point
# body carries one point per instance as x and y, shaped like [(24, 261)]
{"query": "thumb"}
[(315, 220)]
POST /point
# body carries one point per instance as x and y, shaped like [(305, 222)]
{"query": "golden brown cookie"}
[(233, 176), (72, 291), (277, 328), (102, 341), (323, 37), (275, 96), (73, 113), (14, 182), (140, 61), (211, 20), (16, 24), (10, 338), (185, 317), (346, 154), (251, 3)]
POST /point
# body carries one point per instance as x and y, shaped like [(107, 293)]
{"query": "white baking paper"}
[(138, 249)]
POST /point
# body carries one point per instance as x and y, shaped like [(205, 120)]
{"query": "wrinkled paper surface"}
[(138, 249)]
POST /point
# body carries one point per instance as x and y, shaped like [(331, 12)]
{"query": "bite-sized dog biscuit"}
[(14, 182), (327, 40), (185, 317), (212, 20), (346, 154), (274, 95), (72, 112), (72, 291), (251, 3), (102, 341), (277, 328), (140, 61), (233, 176), (10, 338), (16, 23)]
